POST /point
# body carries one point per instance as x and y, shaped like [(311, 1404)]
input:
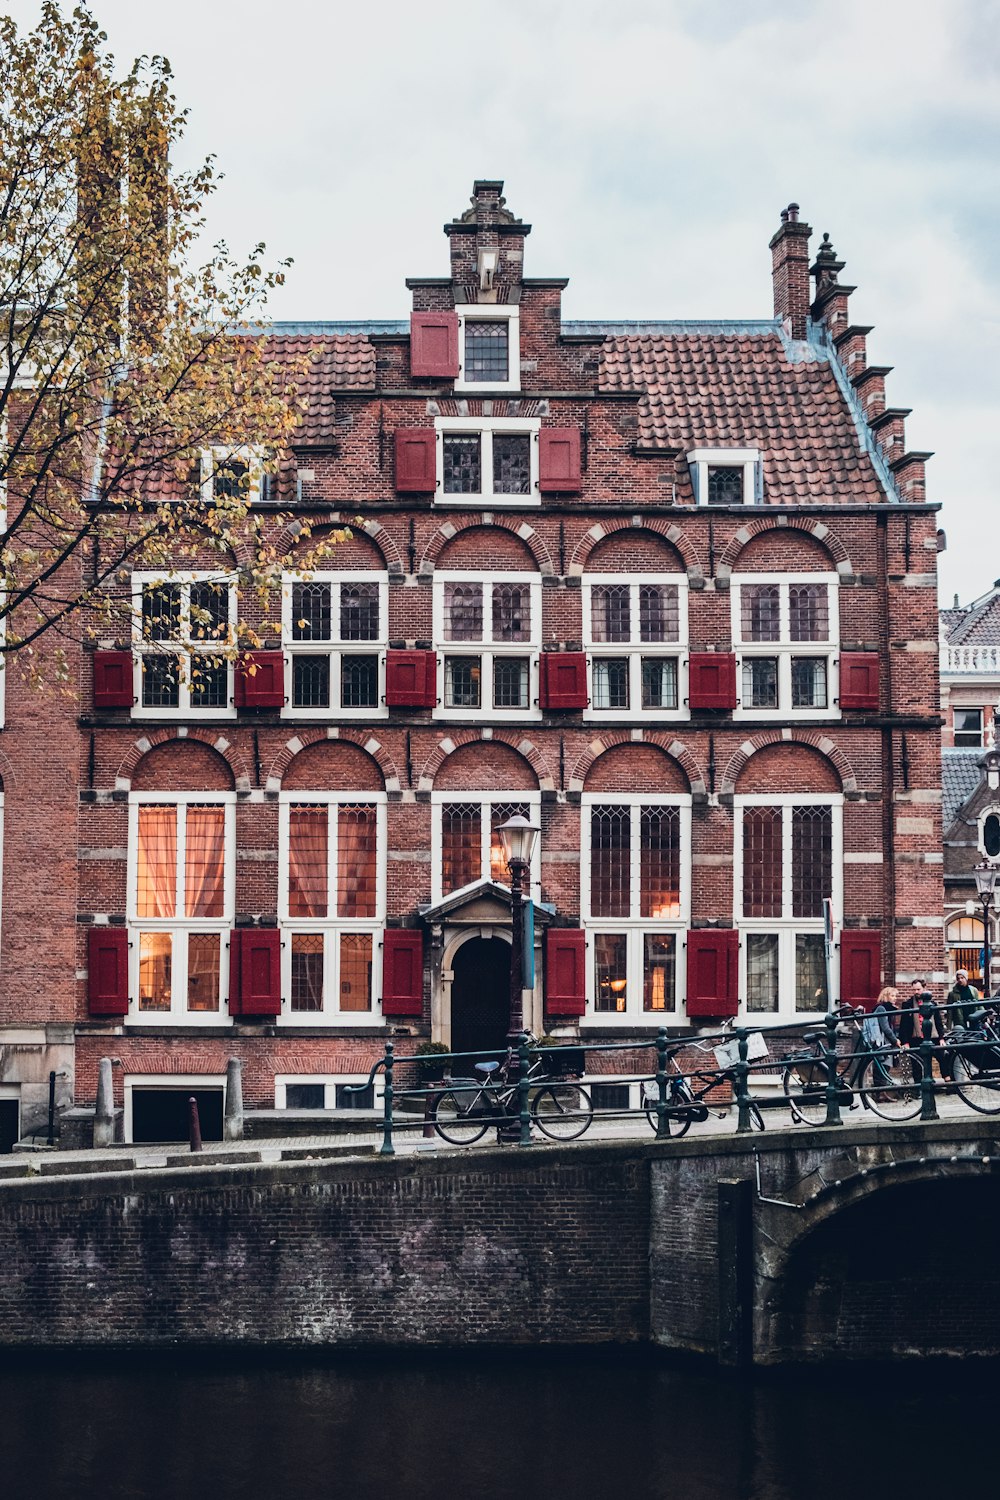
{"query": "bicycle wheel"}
[(804, 1083), (461, 1116), (979, 1090), (563, 1111), (756, 1118), (678, 1124), (890, 1086)]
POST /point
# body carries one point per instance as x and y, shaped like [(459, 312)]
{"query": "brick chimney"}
[(488, 225), (790, 271)]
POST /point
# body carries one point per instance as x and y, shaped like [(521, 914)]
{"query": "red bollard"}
[(194, 1124)]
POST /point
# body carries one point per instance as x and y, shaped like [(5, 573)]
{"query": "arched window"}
[(965, 946)]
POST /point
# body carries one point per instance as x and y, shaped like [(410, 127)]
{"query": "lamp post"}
[(987, 877), (518, 837)]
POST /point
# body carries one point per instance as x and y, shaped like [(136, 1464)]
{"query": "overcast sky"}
[(651, 144)]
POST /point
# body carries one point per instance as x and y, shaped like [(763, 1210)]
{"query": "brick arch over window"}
[(237, 770), (675, 749), (668, 530), (372, 747), (522, 529), (8, 776), (510, 739), (828, 539), (373, 530), (838, 766), (630, 768)]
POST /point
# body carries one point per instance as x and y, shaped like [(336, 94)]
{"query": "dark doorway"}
[(480, 996), (162, 1114), (8, 1125)]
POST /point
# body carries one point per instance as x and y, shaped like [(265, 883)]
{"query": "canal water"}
[(587, 1425)]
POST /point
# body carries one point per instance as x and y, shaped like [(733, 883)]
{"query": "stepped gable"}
[(703, 389)]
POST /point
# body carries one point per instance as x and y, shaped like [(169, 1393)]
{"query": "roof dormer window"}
[(726, 476), (489, 355)]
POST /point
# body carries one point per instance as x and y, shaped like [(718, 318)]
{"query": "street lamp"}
[(987, 877), (518, 837)]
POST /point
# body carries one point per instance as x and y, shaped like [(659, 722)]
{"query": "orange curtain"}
[(356, 862), (205, 864), (156, 862), (307, 861)]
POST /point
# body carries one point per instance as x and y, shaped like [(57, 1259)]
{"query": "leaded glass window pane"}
[(725, 485), (156, 862), (208, 611), (760, 682), (610, 610), (462, 681), (357, 861), (161, 676), (486, 350), (308, 852), (307, 986), (209, 684), (359, 682), (312, 614), (660, 862), (659, 683), (355, 971), (809, 682), (461, 846), (808, 612), (462, 464), (812, 859), (762, 862), (463, 611), (203, 971), (229, 478), (762, 971), (359, 612), (155, 970), (659, 971), (659, 617), (510, 682), (511, 612), (161, 611), (500, 812), (311, 681), (611, 971), (610, 682), (511, 463), (810, 972), (204, 861), (760, 610), (610, 863)]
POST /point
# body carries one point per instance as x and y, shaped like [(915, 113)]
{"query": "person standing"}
[(965, 997), (911, 1026)]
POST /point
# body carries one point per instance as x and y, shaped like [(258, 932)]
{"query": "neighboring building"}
[(666, 587), (970, 700)]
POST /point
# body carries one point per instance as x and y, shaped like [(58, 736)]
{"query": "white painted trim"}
[(184, 648), (702, 459), (784, 649), (635, 651), (335, 648), (486, 426), (475, 312), (167, 1082), (329, 1082), (486, 649), (486, 800)]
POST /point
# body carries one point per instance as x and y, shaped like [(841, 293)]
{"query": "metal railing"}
[(521, 1075)]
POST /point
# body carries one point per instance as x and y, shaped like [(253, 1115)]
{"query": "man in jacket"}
[(965, 997)]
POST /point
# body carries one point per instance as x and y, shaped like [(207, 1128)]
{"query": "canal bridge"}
[(856, 1242)]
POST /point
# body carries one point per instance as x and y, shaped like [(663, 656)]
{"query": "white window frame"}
[(180, 926), (486, 426), (533, 802), (700, 460), (166, 1083), (784, 649), (786, 927), (486, 649), (332, 927), (505, 313), (335, 648), (635, 649), (252, 454), (329, 1082), (968, 708), (183, 648), (636, 927)]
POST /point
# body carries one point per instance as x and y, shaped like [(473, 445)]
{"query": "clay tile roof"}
[(978, 625), (960, 776), (724, 386), (324, 365)]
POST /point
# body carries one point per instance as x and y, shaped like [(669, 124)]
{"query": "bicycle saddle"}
[(813, 1036), (489, 1067)]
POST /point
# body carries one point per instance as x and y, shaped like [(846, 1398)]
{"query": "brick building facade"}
[(668, 588)]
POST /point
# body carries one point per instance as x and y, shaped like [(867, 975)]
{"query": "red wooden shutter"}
[(712, 680), (565, 971), (564, 680), (410, 679), (402, 972), (416, 460), (434, 344), (559, 460), (113, 679), (860, 967), (255, 971), (712, 970), (107, 971), (859, 679), (260, 680)]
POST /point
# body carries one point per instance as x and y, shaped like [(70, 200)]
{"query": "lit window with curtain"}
[(332, 903), (466, 846)]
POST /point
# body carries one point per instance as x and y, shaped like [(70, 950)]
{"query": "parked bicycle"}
[(468, 1107), (685, 1093), (975, 1068), (886, 1079)]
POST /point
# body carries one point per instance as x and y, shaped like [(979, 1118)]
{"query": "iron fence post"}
[(928, 1103), (833, 1116), (742, 1085), (387, 1148), (522, 1090), (662, 1119)]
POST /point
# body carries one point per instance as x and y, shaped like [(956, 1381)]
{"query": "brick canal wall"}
[(619, 1242)]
